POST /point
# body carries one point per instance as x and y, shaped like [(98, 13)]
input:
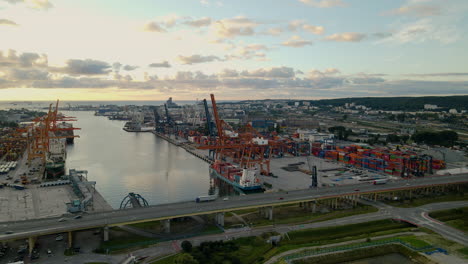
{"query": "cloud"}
[(274, 31), (164, 64), (296, 42), (313, 29), (424, 30), (85, 67), (129, 68), (346, 37), (27, 59), (249, 51), (324, 3), (35, 4), (7, 22), (296, 25), (438, 74), (201, 22), (275, 72), (28, 74), (415, 9), (193, 59), (317, 74), (234, 27), (153, 27)]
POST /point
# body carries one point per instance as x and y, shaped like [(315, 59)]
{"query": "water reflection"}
[(123, 162)]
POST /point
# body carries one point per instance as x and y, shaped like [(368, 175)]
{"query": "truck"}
[(380, 181), (208, 198)]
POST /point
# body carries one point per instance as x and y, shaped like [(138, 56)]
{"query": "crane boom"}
[(208, 119), (216, 117)]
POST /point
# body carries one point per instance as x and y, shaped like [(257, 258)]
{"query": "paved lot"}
[(34, 202), (296, 180)]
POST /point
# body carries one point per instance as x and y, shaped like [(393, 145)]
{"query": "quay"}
[(185, 146)]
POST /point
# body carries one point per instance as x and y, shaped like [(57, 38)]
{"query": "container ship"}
[(68, 132), (244, 179), (55, 159)]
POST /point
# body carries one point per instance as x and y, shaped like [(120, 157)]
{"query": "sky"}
[(236, 49)]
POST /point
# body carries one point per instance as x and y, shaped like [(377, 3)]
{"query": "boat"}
[(55, 160), (245, 179), (67, 131)]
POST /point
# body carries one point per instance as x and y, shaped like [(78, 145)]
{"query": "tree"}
[(185, 259), (393, 138), (186, 246)]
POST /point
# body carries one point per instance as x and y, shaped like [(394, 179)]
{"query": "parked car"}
[(59, 238)]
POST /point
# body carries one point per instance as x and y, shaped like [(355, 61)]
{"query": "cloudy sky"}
[(237, 49)]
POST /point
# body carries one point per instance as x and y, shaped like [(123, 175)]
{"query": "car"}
[(49, 252), (62, 220), (77, 217), (59, 238), (8, 232), (225, 198), (356, 190), (281, 198)]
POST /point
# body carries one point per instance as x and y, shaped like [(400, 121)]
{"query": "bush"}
[(186, 246)]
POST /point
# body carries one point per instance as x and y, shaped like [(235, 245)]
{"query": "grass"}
[(123, 240), (295, 215), (457, 218), (463, 251), (166, 260), (329, 234), (252, 250), (414, 241), (439, 241), (462, 196), (363, 253)]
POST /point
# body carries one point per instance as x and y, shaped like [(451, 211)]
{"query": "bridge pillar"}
[(270, 213), (70, 239), (220, 219), (31, 242), (166, 225), (314, 207), (106, 233)]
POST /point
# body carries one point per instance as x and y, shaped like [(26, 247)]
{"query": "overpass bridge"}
[(31, 229)]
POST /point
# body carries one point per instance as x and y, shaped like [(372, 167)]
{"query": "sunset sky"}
[(237, 49)]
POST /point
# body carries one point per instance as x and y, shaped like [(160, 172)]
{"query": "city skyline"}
[(298, 49)]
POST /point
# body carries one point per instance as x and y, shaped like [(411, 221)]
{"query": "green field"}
[(293, 214), (250, 250), (457, 218), (462, 195)]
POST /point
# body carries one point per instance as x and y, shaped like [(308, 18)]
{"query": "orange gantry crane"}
[(42, 129), (245, 146)]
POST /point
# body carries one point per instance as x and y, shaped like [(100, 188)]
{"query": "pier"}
[(185, 146)]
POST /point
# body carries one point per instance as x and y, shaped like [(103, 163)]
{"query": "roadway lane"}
[(24, 229)]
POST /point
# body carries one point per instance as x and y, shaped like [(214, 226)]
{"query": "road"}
[(38, 227), (170, 247)]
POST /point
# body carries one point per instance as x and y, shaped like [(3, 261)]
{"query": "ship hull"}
[(55, 170), (213, 172)]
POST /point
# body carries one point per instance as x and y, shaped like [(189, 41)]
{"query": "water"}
[(122, 162), (393, 258)]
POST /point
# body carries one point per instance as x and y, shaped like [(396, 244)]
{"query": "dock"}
[(185, 146)]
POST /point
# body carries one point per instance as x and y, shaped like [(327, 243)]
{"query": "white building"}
[(430, 107), (453, 111)]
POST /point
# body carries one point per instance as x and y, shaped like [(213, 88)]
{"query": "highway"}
[(39, 227)]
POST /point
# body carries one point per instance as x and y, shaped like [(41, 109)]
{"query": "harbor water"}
[(122, 162)]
